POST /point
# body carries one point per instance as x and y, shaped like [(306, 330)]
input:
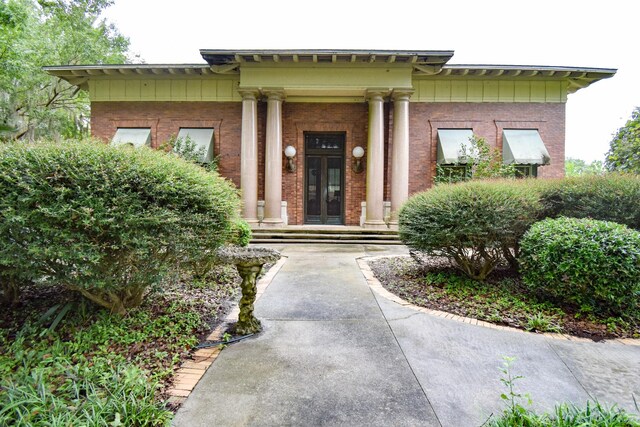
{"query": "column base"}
[(253, 222), (272, 222), (375, 224)]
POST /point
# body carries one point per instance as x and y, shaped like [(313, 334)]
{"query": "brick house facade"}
[(259, 102)]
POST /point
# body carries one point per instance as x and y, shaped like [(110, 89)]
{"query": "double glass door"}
[(324, 178)]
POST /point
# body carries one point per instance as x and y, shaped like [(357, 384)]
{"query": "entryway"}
[(324, 178)]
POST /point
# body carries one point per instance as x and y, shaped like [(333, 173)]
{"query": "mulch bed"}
[(503, 300)]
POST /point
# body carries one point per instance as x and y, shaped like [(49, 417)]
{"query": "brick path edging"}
[(191, 371), (376, 286)]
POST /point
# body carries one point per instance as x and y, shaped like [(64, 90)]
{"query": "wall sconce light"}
[(358, 153), (290, 153)]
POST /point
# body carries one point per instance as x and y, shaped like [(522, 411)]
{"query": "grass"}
[(92, 368), (502, 299)]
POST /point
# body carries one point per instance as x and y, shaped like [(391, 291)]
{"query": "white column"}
[(375, 162), (249, 156), (273, 161), (400, 153)]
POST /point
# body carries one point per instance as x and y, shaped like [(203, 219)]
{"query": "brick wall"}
[(166, 118), (299, 118), (486, 120)]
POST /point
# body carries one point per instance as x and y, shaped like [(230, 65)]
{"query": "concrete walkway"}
[(335, 353)]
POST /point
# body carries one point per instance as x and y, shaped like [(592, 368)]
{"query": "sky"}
[(544, 32)]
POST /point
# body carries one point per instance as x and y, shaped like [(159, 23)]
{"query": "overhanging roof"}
[(426, 57)]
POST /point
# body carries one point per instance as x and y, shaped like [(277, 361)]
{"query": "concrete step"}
[(325, 234), (320, 236), (328, 241)]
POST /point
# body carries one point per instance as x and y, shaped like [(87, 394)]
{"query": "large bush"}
[(592, 264), (612, 197), (106, 222), (474, 224)]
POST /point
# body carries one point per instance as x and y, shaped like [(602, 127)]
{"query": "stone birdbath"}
[(248, 262)]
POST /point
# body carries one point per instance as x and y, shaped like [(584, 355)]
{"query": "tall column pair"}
[(273, 158)]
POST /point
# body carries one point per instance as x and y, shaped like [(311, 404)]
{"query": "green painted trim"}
[(489, 90), (154, 89)]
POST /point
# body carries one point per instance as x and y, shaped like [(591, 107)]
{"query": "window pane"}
[(313, 186)]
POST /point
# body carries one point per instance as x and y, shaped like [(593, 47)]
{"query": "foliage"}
[(187, 149), (592, 264), (624, 150), (94, 369), (613, 197), (578, 167), (481, 161), (241, 233), (33, 33), (517, 414), (474, 224), (104, 221)]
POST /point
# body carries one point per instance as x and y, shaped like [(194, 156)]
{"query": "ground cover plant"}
[(503, 298), (519, 414), (93, 368)]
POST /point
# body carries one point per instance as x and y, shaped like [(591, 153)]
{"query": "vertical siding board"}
[(522, 92), (538, 91), (553, 91), (506, 91), (163, 90), (225, 90), (490, 91), (459, 90), (178, 90), (443, 91), (132, 90), (474, 91), (148, 90), (117, 90), (209, 90)]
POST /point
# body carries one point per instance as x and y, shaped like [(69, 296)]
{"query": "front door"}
[(324, 178)]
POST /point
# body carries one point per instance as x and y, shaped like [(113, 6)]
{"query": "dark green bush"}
[(592, 264), (106, 222), (241, 233), (474, 224), (612, 197)]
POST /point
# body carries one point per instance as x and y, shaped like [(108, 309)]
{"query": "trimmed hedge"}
[(611, 197), (592, 264), (474, 224), (104, 221)]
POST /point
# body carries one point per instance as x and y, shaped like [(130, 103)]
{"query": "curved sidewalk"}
[(335, 353)]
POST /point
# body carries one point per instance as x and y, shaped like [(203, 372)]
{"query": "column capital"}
[(249, 93), (376, 94), (274, 94), (402, 94)]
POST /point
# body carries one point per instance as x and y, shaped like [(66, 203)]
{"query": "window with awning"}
[(203, 140), (524, 147), (453, 146), (136, 137)]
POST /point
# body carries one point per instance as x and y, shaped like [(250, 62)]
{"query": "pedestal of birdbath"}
[(248, 262)]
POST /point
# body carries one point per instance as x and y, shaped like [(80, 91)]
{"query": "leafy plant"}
[(476, 224), (187, 149), (541, 323), (106, 222), (481, 161), (592, 264), (624, 151)]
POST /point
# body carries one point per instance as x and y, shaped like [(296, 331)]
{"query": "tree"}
[(578, 167), (33, 34), (624, 151)]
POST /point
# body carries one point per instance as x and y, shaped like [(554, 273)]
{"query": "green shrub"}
[(106, 222), (474, 224), (592, 264), (612, 197), (241, 233)]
